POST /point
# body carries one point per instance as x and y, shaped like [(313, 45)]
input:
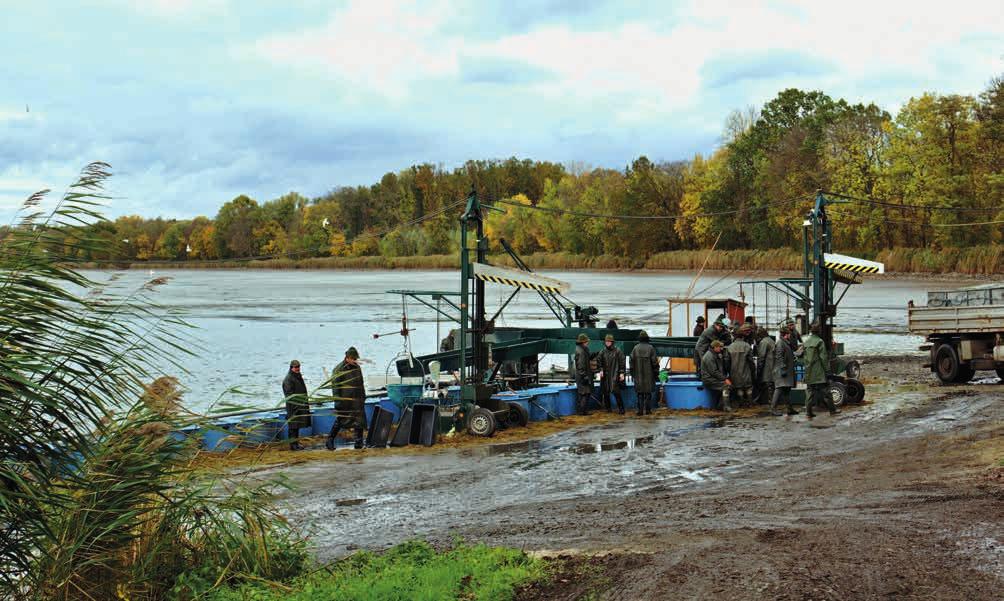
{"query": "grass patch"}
[(412, 570)]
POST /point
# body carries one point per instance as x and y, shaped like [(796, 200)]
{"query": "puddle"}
[(558, 444)]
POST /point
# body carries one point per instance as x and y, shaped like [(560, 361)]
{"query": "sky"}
[(194, 102)]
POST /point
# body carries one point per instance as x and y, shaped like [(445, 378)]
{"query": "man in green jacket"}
[(742, 373), (350, 397), (816, 360), (715, 375), (644, 372), (583, 374)]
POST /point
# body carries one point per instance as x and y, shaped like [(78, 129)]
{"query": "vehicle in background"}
[(964, 330)]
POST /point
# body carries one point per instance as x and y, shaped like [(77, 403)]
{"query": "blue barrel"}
[(630, 395), (686, 393)]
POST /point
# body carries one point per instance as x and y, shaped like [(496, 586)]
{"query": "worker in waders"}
[(644, 372), (715, 375), (764, 366), (816, 359), (350, 399), (612, 372), (718, 331), (784, 373), (741, 367), (297, 409), (583, 374)]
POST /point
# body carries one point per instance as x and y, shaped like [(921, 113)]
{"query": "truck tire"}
[(946, 365), (966, 373), (838, 392)]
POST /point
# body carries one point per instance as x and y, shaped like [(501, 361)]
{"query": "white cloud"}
[(175, 9)]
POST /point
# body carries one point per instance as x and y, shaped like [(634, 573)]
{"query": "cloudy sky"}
[(196, 101)]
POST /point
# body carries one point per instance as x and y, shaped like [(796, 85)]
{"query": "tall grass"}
[(97, 500)]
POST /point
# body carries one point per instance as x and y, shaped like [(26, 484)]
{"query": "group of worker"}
[(346, 387), (733, 360), (613, 369)]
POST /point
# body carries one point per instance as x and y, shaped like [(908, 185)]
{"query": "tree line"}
[(936, 164)]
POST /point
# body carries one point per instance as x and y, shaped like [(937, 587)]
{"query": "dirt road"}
[(902, 497)]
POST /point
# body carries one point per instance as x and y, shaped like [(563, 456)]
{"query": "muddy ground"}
[(900, 498)]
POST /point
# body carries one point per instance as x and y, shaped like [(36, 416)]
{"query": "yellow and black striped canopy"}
[(518, 279), (851, 264)]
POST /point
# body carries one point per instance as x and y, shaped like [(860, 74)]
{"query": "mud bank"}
[(901, 497)]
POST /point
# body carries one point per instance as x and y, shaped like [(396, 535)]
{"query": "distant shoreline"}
[(782, 262)]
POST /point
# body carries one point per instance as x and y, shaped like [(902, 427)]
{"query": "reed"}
[(97, 499)]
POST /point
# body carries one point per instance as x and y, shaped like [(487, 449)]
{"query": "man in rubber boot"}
[(816, 360), (718, 331), (764, 365), (784, 373), (739, 356), (297, 410), (644, 371), (350, 399), (612, 372), (715, 375), (583, 375)]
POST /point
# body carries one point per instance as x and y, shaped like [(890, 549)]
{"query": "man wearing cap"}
[(699, 327), (583, 374), (765, 365), (715, 375), (741, 368), (612, 370), (816, 361), (297, 409), (718, 331), (350, 399), (644, 372)]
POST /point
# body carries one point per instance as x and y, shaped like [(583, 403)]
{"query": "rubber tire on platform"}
[(481, 422), (946, 364), (838, 392), (855, 390), (518, 415), (853, 369)]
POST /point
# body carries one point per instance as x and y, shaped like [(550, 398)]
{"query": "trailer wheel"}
[(966, 373), (481, 422), (518, 415), (946, 365), (853, 369), (838, 392), (855, 390)]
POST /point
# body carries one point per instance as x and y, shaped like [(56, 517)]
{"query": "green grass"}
[(412, 570)]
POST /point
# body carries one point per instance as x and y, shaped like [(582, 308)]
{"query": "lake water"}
[(251, 323)]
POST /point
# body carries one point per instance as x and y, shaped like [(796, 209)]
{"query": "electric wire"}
[(894, 205)]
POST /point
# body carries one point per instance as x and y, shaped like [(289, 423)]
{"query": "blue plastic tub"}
[(184, 433), (403, 394), (219, 437), (391, 406), (565, 403), (686, 393), (322, 419), (260, 429), (543, 398)]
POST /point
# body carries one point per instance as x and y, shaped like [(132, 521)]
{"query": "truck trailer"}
[(964, 330)]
